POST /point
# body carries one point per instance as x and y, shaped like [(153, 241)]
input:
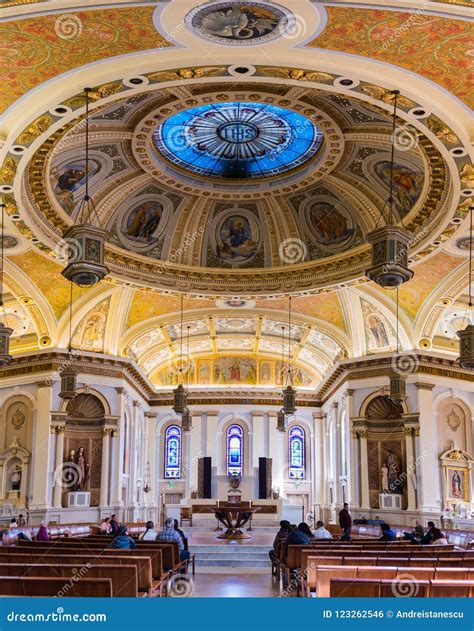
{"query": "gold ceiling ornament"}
[(295, 74), (181, 74), (387, 96), (35, 129), (442, 131), (8, 170), (467, 175)]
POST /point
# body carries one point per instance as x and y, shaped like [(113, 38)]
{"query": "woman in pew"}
[(105, 527), (122, 541), (438, 538), (150, 533), (280, 540), (43, 532)]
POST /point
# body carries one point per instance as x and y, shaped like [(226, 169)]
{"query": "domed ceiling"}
[(240, 153), (254, 191)]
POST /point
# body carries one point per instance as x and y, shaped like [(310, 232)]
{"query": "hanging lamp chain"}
[(87, 206)]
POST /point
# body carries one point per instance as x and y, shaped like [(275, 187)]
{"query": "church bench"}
[(123, 577), (142, 563), (318, 577), (48, 586), (360, 587)]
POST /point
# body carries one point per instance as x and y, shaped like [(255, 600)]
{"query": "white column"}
[(260, 448), (132, 491), (151, 498), (104, 473), (362, 435), (41, 447), (350, 463), (195, 453), (428, 485), (279, 467), (317, 465), (337, 463), (58, 462), (118, 451), (411, 467), (213, 446), (186, 446)]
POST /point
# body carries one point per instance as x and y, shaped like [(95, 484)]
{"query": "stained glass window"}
[(173, 452), (238, 140), (235, 450), (296, 449)]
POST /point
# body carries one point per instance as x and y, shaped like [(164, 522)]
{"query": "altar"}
[(268, 513)]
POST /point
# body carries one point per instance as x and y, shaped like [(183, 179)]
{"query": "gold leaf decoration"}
[(381, 94), (467, 175), (37, 127)]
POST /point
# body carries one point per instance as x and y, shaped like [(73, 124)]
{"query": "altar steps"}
[(230, 556)]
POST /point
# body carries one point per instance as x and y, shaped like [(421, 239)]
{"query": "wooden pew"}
[(47, 586), (141, 562), (124, 577), (380, 588)]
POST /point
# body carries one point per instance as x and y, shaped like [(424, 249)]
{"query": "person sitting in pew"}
[(114, 524), (427, 537), (280, 540), (169, 534), (4, 536), (21, 521), (387, 533), (179, 531), (122, 541), (105, 527), (305, 529), (150, 533), (321, 532), (43, 532), (297, 536), (438, 538), (13, 523)]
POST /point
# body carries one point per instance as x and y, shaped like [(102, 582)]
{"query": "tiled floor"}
[(209, 538), (235, 586)]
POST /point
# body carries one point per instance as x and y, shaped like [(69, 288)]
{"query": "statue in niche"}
[(394, 481), (384, 476), (15, 477), (82, 470)]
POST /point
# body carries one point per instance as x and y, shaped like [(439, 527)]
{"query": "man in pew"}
[(387, 533), (169, 534), (321, 532), (345, 522), (122, 541), (181, 533), (426, 539), (114, 525)]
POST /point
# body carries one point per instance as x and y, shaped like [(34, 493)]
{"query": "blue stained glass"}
[(235, 450), (296, 447), (238, 140), (173, 452)]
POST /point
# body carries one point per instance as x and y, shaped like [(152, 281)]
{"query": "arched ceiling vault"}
[(237, 248)]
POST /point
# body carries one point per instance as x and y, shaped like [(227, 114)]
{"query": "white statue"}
[(15, 478)]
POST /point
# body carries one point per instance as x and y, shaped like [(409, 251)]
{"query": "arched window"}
[(296, 449), (235, 450), (173, 452)]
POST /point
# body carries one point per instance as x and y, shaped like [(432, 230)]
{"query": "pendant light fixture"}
[(85, 241), (147, 487), (466, 336), (186, 418), (5, 331), (281, 417), (179, 394), (289, 393), (390, 243), (68, 374), (397, 379)]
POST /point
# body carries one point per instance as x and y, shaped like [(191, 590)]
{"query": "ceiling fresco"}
[(236, 180)]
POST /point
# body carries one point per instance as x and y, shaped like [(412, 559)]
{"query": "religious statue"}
[(394, 481), (82, 470), (15, 478), (384, 476)]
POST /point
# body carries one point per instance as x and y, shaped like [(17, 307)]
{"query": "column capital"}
[(47, 383), (422, 385), (361, 433)]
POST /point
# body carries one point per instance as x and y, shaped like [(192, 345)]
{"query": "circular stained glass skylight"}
[(238, 140)]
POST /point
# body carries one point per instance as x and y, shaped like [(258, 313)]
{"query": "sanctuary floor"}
[(241, 585)]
